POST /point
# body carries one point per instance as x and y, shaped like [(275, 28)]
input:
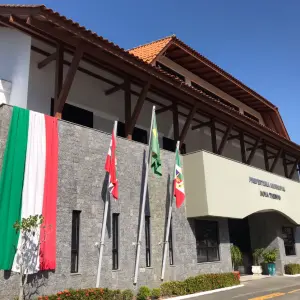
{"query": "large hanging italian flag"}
[(28, 187)]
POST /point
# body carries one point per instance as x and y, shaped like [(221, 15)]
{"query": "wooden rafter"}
[(138, 108), (175, 122), (187, 124), (127, 103), (213, 134), (266, 159), (68, 80), (164, 109), (43, 63), (294, 168), (203, 124), (114, 89), (285, 167), (224, 139), (243, 149), (279, 152), (252, 153), (59, 73)]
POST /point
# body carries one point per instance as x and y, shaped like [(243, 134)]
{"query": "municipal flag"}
[(178, 181), (111, 166)]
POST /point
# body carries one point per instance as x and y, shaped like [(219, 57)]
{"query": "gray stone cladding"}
[(82, 186)]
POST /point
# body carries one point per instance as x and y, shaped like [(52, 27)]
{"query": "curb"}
[(205, 293), (287, 275)]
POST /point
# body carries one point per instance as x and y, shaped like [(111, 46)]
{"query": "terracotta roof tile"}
[(148, 52)]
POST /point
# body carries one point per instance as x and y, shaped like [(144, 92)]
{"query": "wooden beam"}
[(224, 139), (115, 89), (276, 160), (285, 168), (252, 153), (243, 149), (187, 124), (175, 122), (233, 137), (266, 159), (69, 79), (213, 136), (47, 60), (203, 124), (127, 103), (138, 107), (294, 168), (166, 108), (59, 75)]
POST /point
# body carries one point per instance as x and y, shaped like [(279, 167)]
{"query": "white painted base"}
[(205, 293), (287, 275)]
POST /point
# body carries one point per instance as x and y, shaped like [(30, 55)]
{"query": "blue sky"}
[(256, 41)]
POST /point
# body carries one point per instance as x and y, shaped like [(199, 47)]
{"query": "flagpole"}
[(107, 198), (138, 250), (169, 220)]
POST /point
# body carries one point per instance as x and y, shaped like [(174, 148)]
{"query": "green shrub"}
[(127, 295), (144, 293), (270, 256), (200, 283), (156, 293), (90, 294), (292, 269)]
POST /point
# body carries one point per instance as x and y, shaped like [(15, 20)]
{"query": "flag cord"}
[(169, 220), (138, 250), (107, 198)]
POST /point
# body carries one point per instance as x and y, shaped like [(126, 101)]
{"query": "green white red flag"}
[(28, 187), (111, 165), (179, 193)]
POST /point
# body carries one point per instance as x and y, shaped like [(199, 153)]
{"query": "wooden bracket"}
[(253, 150), (279, 152), (187, 124), (224, 139)]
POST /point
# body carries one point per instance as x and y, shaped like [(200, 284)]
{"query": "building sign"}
[(269, 185)]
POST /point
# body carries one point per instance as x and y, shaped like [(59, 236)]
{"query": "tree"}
[(29, 228)]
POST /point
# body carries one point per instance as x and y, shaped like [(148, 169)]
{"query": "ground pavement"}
[(281, 288)]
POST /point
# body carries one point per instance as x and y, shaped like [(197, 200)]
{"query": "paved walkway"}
[(281, 288)]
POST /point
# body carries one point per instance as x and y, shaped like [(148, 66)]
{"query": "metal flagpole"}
[(138, 250), (107, 198), (169, 221)]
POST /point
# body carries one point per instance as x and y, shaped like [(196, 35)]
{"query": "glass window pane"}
[(201, 255), (213, 254)]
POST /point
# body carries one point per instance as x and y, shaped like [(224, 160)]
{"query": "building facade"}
[(240, 165)]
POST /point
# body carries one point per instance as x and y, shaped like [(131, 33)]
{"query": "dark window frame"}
[(209, 93), (170, 145), (75, 241), (115, 241), (289, 241), (139, 135), (170, 71), (148, 241), (201, 224), (171, 252)]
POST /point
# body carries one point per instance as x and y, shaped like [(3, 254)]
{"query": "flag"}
[(155, 151), (28, 187), (111, 165), (178, 181)]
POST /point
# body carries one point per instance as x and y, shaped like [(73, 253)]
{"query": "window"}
[(148, 241), (170, 145), (251, 116), (207, 241), (207, 92), (171, 255), (75, 241), (170, 71), (289, 240), (139, 135), (115, 241)]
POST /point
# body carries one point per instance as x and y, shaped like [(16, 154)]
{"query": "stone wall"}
[(81, 186)]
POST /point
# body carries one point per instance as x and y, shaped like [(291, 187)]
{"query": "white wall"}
[(15, 58), (189, 76)]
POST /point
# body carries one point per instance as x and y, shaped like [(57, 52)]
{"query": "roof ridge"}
[(156, 41)]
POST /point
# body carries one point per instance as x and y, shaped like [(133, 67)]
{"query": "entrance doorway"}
[(239, 235)]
